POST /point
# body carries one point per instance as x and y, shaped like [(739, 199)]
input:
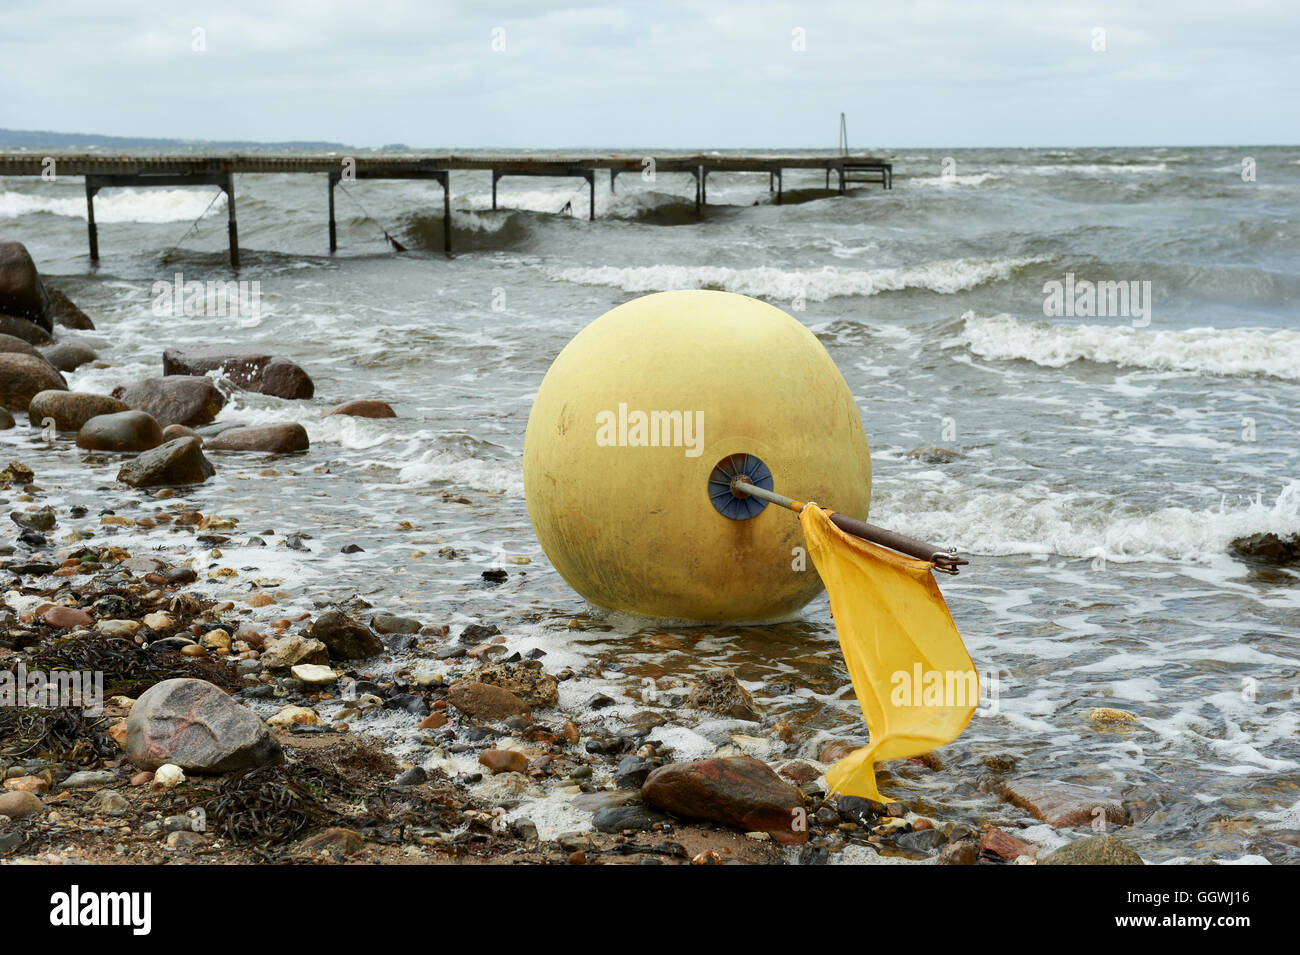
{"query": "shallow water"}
[(1106, 467)]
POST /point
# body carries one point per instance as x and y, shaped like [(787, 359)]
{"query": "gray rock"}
[(254, 371), (619, 818), (268, 439), (935, 455), (923, 840), (25, 329), (178, 462), (38, 520), (388, 623), (22, 293), (68, 356), (347, 639), (196, 726), (109, 800), (1093, 850), (87, 778), (174, 400)]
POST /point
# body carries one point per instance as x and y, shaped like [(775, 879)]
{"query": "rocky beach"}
[(233, 722)]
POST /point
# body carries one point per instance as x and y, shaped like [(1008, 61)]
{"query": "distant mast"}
[(844, 137)]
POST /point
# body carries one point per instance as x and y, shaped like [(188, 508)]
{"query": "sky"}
[(671, 74)]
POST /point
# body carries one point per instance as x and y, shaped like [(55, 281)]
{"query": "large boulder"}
[(174, 400), (22, 293), (196, 726), (71, 409), (251, 370), (175, 463), (347, 639), (13, 345), (66, 312), (121, 431), (23, 377), (737, 791), (68, 355), (25, 329), (272, 439), (1268, 548), (1094, 850)]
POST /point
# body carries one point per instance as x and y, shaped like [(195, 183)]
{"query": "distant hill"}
[(34, 139)]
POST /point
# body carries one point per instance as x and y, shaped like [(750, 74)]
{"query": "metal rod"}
[(334, 234), (231, 226), (942, 560)]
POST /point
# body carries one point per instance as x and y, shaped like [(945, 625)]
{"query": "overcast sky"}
[(711, 73)]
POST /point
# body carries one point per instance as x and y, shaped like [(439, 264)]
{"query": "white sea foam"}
[(975, 179), (946, 277), (1095, 169), (124, 205), (1208, 351), (1033, 520)]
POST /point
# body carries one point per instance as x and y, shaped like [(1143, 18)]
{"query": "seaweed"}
[(62, 734), (265, 807), (127, 669)]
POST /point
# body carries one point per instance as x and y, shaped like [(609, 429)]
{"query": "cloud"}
[(729, 73)]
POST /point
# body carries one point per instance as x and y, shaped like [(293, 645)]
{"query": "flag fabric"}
[(911, 673)]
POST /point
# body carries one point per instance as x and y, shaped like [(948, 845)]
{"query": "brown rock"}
[(120, 431), (292, 650), (16, 805), (67, 618), (720, 692), (347, 639), (798, 772), (71, 409), (366, 409), (958, 853), (23, 377), (433, 721), (173, 431), (22, 293), (834, 750), (270, 439), (174, 400), (503, 761), (253, 371), (335, 841), (999, 843), (526, 680), (66, 312), (13, 345), (738, 791), (1064, 805), (486, 702)]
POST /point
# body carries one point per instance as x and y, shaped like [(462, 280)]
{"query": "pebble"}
[(503, 761), (89, 777), (313, 674), (16, 805)]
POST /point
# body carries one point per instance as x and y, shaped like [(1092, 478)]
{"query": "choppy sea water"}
[(1106, 467)]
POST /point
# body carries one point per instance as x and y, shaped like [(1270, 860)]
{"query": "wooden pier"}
[(139, 171)]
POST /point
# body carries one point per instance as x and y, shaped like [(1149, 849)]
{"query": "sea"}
[(1110, 446)]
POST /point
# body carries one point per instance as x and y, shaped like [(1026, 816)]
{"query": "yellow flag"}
[(911, 673)]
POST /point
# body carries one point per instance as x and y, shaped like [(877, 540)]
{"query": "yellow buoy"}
[(632, 419)]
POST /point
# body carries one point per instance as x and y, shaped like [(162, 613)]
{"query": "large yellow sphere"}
[(618, 494)]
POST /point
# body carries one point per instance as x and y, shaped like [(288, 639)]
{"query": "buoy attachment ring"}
[(730, 504)]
